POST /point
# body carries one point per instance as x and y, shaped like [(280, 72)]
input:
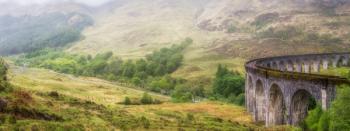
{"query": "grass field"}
[(91, 103), (89, 93), (85, 88)]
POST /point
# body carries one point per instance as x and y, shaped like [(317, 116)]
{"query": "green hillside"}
[(152, 64), (31, 33), (227, 31), (68, 102)]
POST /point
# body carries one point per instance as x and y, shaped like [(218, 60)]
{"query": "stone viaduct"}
[(278, 89)]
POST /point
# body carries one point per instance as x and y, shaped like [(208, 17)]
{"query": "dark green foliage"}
[(30, 33), (4, 84), (337, 118), (54, 94), (128, 69), (323, 123), (313, 118), (228, 84), (166, 60), (190, 117), (339, 112), (145, 122), (151, 71), (240, 99), (146, 99), (186, 92), (3, 70), (11, 119), (182, 93), (127, 101), (136, 81), (163, 84)]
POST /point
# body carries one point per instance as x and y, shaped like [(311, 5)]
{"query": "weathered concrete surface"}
[(278, 89)]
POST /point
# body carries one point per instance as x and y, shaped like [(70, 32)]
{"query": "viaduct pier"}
[(278, 89)]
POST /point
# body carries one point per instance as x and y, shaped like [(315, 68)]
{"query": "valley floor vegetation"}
[(153, 73), (337, 118), (37, 99)]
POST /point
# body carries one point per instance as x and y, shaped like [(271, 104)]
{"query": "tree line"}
[(152, 72)]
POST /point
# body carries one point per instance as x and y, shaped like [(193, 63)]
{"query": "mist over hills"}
[(158, 64), (222, 30)]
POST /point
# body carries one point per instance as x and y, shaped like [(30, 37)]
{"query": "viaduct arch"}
[(279, 89)]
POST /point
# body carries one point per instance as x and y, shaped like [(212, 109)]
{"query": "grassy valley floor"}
[(92, 104)]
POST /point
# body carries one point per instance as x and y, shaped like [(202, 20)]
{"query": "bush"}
[(145, 122), (190, 117), (146, 99), (136, 81), (339, 112), (313, 118), (11, 119), (227, 82), (323, 124), (240, 99), (181, 93), (127, 101), (54, 94)]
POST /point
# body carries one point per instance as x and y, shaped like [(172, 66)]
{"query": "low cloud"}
[(31, 2)]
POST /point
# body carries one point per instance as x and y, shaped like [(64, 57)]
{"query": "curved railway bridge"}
[(278, 89)]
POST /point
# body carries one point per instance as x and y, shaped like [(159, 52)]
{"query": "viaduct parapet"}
[(278, 89)]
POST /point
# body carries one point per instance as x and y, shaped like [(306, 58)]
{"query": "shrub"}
[(181, 93), (127, 101), (323, 124), (54, 94), (313, 118), (339, 112), (190, 117), (11, 119), (145, 122), (227, 82), (136, 81), (240, 99), (146, 99)]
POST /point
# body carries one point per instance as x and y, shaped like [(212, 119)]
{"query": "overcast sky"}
[(29, 2)]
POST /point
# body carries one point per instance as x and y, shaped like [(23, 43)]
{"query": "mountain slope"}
[(224, 31)]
